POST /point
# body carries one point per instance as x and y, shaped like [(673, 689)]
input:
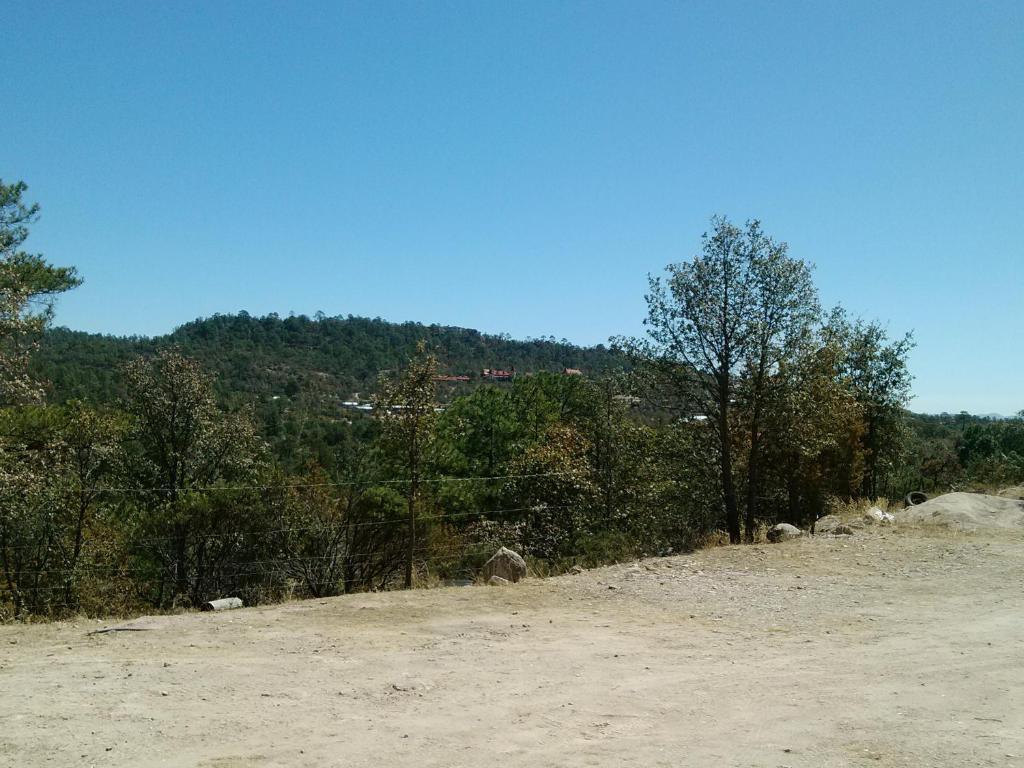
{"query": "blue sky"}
[(521, 167)]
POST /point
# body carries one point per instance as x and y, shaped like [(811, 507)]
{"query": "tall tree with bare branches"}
[(718, 327), (698, 331)]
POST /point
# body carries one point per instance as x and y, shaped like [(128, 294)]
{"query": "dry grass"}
[(854, 509)]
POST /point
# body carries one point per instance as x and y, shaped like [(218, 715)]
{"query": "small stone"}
[(498, 581)]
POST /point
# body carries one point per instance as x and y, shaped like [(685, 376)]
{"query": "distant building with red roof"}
[(496, 374)]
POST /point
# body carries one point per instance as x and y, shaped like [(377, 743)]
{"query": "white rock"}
[(506, 564), (876, 515)]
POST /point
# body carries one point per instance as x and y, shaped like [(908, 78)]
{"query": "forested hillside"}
[(267, 356)]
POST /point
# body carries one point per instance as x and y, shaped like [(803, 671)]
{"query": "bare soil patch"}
[(888, 648)]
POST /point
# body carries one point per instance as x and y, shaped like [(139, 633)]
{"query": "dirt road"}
[(884, 649)]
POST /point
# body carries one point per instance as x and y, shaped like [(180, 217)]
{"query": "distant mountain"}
[(334, 357)]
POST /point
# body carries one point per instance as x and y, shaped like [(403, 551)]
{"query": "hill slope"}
[(264, 356)]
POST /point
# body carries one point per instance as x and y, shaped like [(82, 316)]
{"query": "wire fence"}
[(256, 535), (286, 570), (275, 581), (325, 484)]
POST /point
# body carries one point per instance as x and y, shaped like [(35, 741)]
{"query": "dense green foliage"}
[(960, 451), (297, 372)]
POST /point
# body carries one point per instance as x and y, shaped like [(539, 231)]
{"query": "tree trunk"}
[(754, 457), (76, 552), (350, 576), (9, 577), (793, 498), (869, 487), (180, 561), (732, 514), (753, 485), (754, 463), (413, 490)]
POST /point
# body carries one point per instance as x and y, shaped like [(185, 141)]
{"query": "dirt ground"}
[(889, 648)]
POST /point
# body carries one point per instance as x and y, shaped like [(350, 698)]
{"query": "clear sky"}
[(520, 167)]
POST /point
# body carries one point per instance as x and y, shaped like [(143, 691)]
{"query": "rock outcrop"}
[(827, 524), (783, 532), (506, 564)]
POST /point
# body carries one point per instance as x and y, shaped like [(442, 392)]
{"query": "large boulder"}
[(967, 512), (827, 524), (783, 532), (506, 564)]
